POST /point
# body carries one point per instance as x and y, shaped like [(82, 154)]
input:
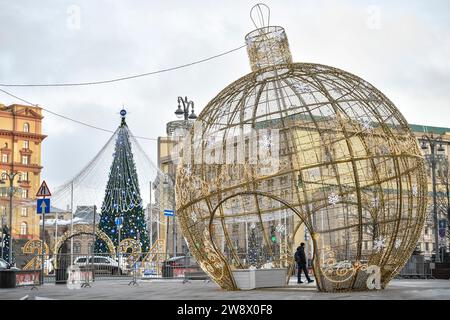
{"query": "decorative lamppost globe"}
[(299, 144)]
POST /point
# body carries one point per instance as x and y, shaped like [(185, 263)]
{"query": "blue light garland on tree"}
[(122, 196)]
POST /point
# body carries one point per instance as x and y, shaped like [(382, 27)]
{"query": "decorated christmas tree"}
[(122, 196), (254, 247), (5, 243)]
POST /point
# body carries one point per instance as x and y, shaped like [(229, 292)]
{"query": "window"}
[(80, 260), (26, 144), (26, 127), (24, 176), (4, 158), (77, 248), (101, 260), (24, 212), (90, 247), (366, 244), (23, 228), (426, 231), (427, 246), (24, 159), (24, 193)]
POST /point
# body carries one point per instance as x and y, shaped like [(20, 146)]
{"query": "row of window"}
[(23, 211), (4, 193), (77, 247), (25, 159), (429, 247)]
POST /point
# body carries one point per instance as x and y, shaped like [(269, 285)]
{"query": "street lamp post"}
[(185, 111), (10, 176), (433, 159)]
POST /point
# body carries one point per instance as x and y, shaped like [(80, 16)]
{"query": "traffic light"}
[(272, 234)]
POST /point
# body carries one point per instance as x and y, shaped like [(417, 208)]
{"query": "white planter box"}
[(260, 278)]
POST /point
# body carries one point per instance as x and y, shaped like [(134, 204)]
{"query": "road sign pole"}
[(43, 207), (43, 241)]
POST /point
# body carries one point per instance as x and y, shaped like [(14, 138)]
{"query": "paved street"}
[(198, 290)]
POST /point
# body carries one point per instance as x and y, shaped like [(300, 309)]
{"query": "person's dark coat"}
[(300, 256)]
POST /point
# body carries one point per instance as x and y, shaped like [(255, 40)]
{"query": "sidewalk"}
[(198, 290)]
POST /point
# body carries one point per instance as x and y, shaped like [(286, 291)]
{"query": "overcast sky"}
[(401, 47)]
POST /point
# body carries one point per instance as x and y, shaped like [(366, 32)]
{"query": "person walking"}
[(300, 258)]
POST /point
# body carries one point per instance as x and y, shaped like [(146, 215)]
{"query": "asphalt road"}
[(167, 289)]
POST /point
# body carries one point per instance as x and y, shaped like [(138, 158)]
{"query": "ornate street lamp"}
[(184, 112), (433, 159), (10, 176)]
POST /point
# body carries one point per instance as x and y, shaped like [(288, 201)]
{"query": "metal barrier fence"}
[(416, 268), (101, 266)]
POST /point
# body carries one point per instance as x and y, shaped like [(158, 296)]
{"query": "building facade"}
[(240, 235), (20, 151), (164, 187), (426, 244)]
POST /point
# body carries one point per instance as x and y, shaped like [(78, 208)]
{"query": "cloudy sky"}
[(401, 47)]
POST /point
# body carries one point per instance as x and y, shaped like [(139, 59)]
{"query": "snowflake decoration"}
[(253, 226), (280, 35), (379, 244), (249, 42), (194, 217), (397, 244), (281, 228), (366, 124), (415, 191), (333, 199), (302, 88)]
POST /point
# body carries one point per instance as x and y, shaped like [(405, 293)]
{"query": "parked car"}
[(101, 264), (4, 265), (177, 266)]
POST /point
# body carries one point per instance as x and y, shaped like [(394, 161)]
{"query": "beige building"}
[(20, 151), (426, 244), (168, 228)]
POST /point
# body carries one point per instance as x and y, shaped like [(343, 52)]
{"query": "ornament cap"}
[(123, 114), (268, 46)]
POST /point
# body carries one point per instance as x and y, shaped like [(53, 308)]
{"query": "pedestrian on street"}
[(300, 258)]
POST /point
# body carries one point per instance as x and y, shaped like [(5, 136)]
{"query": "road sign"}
[(43, 206), (442, 227), (43, 191), (168, 212), (118, 221)]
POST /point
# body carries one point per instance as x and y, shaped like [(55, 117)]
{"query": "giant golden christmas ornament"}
[(299, 144)]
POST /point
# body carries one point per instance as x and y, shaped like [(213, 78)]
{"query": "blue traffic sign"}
[(442, 227), (43, 206), (118, 221), (168, 212)]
